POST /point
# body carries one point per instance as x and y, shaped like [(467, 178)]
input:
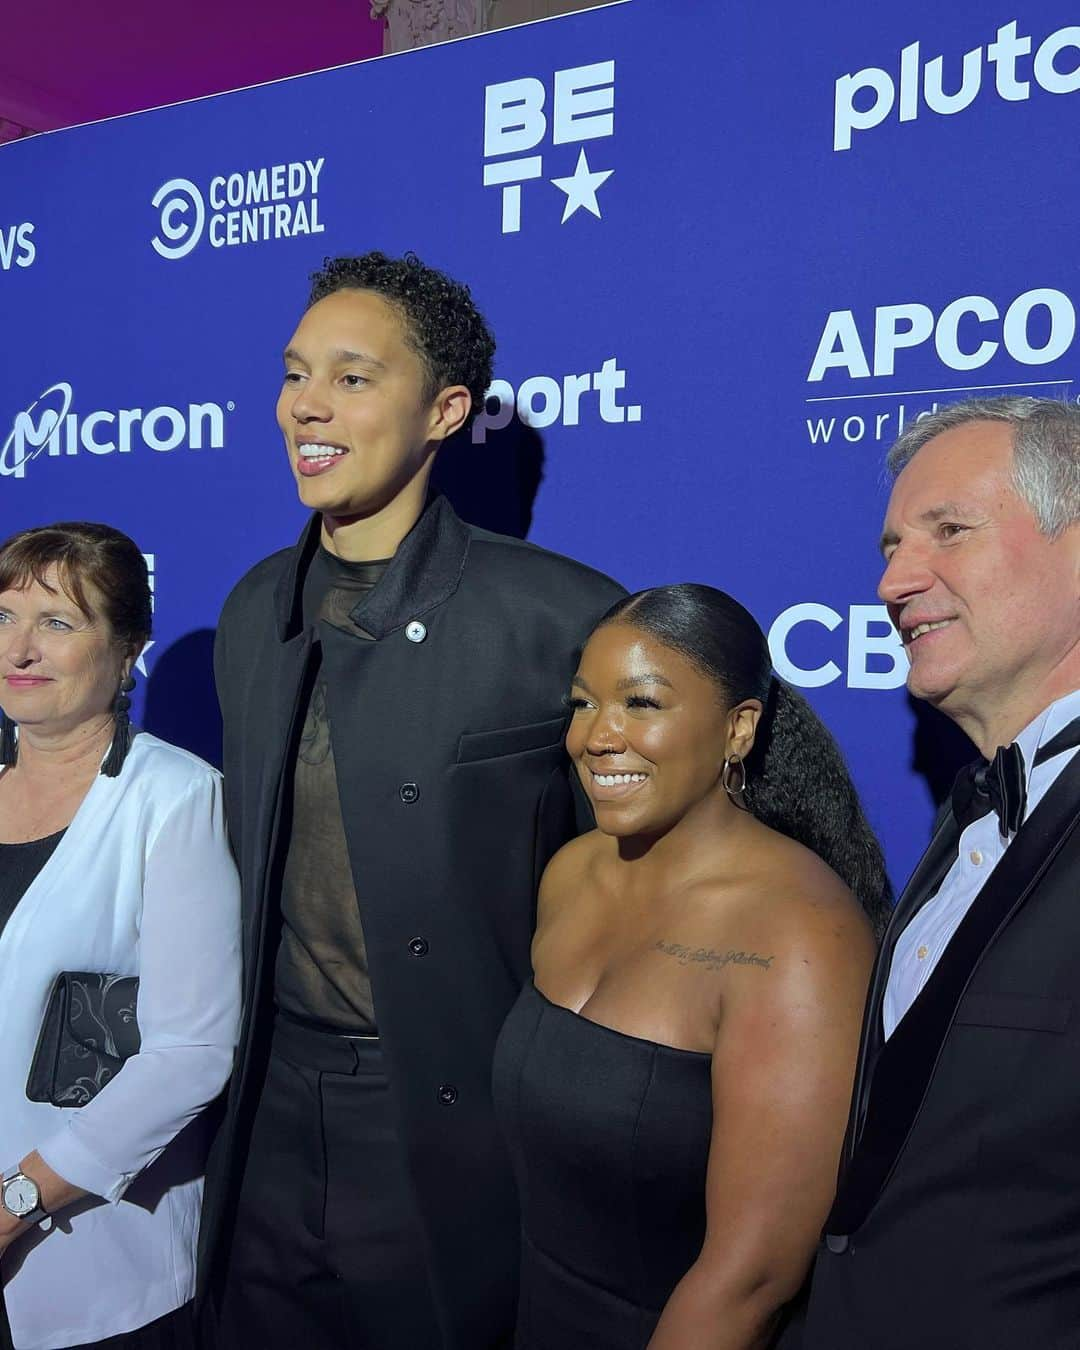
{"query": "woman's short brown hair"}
[(85, 554)]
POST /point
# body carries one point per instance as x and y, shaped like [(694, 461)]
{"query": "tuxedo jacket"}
[(957, 1219), (447, 722)]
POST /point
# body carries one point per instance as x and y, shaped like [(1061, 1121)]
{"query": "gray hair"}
[(1046, 450)]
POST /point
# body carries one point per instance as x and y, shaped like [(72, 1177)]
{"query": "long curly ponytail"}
[(797, 783)]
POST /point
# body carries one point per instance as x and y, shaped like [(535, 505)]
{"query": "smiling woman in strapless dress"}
[(674, 1083)]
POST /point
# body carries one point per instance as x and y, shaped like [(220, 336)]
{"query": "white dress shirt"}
[(981, 848), (141, 884)]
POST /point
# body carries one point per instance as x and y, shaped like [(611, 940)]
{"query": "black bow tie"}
[(1000, 784)]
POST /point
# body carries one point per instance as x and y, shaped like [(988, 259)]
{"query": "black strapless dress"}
[(609, 1137)]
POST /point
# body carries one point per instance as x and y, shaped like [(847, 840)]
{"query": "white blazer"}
[(141, 884)]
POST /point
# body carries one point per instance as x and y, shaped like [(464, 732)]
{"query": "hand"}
[(55, 1194)]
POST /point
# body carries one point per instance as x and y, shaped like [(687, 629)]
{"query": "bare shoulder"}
[(800, 891), (789, 914), (568, 871)]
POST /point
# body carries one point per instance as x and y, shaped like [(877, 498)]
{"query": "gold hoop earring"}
[(733, 780)]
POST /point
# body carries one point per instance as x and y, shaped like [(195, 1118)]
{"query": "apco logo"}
[(17, 249), (249, 206), (873, 655), (542, 400), (50, 427), (516, 124), (866, 98), (1034, 329)]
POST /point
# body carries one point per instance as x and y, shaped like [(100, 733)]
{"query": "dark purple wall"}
[(62, 63)]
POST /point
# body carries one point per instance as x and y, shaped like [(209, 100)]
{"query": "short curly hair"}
[(442, 324)]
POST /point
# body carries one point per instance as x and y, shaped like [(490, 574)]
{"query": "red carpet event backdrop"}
[(728, 254)]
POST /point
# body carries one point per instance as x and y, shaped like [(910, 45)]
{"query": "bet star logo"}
[(581, 188), (516, 128)]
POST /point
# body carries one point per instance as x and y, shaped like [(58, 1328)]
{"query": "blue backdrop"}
[(726, 252)]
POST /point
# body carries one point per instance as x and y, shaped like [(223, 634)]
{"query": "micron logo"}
[(50, 426)]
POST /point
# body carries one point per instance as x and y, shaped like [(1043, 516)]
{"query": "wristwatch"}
[(20, 1195)]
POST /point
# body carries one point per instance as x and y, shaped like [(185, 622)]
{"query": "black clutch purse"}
[(88, 1031)]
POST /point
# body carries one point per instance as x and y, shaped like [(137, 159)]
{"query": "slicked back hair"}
[(796, 780), (1046, 450)]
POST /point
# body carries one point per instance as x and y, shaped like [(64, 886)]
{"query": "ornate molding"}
[(416, 23)]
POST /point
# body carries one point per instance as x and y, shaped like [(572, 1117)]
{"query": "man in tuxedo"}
[(957, 1219)]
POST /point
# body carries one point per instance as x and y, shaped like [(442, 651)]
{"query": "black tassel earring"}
[(121, 741), (9, 746)]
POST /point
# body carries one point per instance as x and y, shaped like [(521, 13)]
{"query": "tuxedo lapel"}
[(895, 1076), (928, 875), (925, 880)]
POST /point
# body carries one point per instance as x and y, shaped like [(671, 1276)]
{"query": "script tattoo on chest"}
[(712, 959)]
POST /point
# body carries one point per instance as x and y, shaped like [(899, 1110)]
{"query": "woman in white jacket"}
[(113, 861)]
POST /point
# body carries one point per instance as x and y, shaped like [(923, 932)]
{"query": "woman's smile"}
[(612, 786)]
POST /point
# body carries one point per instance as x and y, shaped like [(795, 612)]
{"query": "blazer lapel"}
[(289, 590), (423, 574), (895, 1079)]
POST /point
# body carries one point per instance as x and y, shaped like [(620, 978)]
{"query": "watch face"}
[(21, 1196)]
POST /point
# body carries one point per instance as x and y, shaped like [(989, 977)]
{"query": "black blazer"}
[(957, 1219), (455, 793)]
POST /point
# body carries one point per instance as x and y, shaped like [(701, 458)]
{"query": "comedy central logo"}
[(248, 206), (50, 426)]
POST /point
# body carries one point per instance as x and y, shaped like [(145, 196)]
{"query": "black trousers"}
[(174, 1331), (328, 1253)]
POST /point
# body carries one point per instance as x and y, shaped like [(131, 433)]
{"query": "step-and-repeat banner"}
[(728, 253)]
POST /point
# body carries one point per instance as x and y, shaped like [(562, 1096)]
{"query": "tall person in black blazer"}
[(957, 1221), (392, 691)]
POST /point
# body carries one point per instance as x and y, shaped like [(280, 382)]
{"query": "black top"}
[(322, 970), (19, 865), (609, 1137)]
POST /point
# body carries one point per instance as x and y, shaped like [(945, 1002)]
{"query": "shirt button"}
[(418, 947), (923, 953), (416, 631), (409, 793), (976, 856), (447, 1094)]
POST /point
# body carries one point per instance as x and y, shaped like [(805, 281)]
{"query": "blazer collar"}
[(423, 573), (897, 1077)]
